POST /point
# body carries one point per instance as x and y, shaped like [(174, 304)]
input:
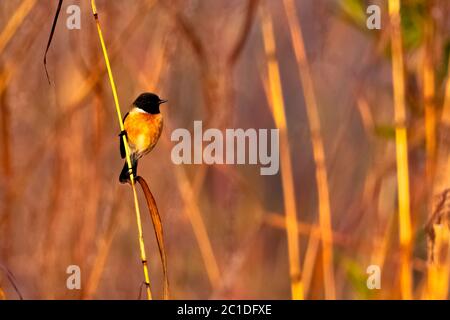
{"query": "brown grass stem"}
[(312, 111), (429, 98), (276, 102), (15, 22)]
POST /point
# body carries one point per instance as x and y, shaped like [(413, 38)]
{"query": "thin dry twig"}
[(12, 280), (50, 37)]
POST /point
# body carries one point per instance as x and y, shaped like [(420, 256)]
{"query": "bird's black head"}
[(149, 102)]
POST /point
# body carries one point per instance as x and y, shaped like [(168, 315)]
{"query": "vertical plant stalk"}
[(318, 148), (312, 248), (7, 174), (401, 150), (309, 262), (15, 22), (103, 248), (7, 71), (438, 224), (278, 112), (429, 93), (437, 280), (198, 225), (127, 154)]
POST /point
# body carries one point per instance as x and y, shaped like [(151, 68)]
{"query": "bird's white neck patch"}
[(140, 110)]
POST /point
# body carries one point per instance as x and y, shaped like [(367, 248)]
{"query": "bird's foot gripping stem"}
[(126, 173), (123, 133)]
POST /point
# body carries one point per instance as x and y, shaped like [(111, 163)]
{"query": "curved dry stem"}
[(50, 37), (157, 226)]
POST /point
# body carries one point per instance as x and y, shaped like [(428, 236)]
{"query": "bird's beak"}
[(162, 101)]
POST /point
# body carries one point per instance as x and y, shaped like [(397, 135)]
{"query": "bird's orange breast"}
[(143, 131)]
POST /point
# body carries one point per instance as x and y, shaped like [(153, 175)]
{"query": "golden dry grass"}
[(276, 101), (404, 214)]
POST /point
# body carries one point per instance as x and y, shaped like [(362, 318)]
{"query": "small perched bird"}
[(142, 127)]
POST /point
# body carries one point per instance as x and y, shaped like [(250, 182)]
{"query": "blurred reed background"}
[(364, 146)]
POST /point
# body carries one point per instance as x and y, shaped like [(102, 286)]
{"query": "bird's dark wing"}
[(122, 146), (125, 116)]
